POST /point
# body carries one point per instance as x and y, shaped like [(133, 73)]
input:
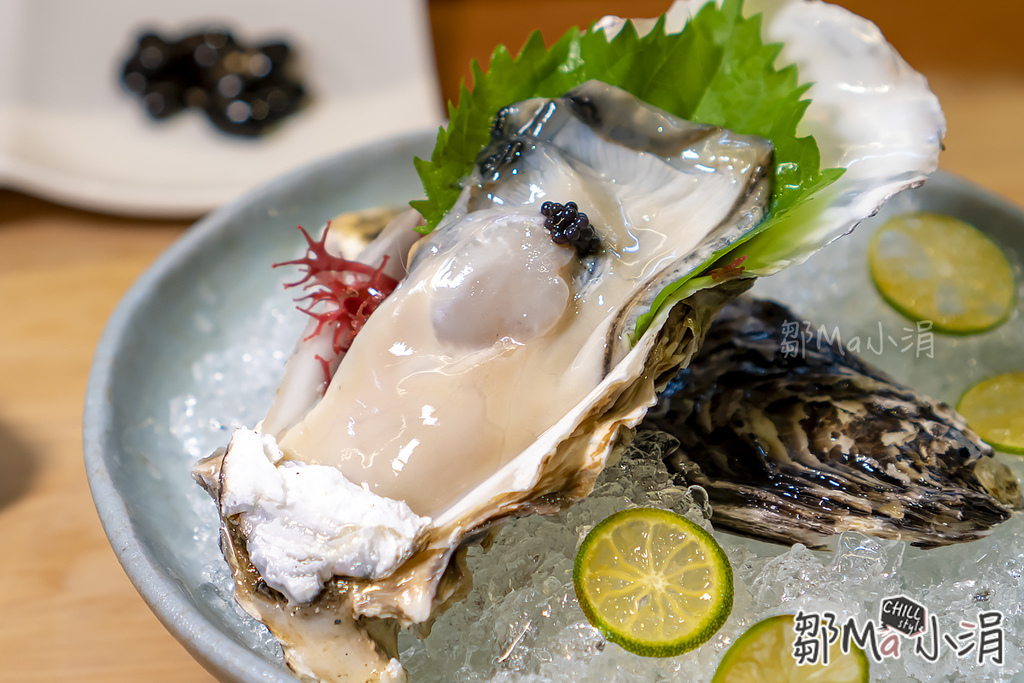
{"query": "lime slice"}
[(994, 409), (653, 581), (937, 268), (765, 653)]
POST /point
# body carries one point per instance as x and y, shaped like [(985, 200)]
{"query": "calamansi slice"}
[(653, 581), (765, 653), (994, 409), (935, 267)]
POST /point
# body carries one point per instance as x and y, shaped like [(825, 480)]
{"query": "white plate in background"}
[(70, 132)]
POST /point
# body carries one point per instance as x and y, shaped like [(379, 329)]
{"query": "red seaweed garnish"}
[(342, 293), (731, 270), (325, 365)]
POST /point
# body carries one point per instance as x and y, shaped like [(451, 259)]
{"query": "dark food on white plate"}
[(243, 90)]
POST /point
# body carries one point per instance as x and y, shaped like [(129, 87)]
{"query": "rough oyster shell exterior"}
[(799, 447)]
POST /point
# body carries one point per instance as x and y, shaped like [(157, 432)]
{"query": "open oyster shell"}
[(795, 448), (870, 112), (497, 377), (439, 391)]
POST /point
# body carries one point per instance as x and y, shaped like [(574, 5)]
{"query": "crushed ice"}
[(522, 623)]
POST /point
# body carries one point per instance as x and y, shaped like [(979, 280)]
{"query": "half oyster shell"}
[(870, 112), (494, 380), (797, 447)]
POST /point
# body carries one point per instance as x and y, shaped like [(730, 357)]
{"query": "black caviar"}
[(242, 89), (569, 226)]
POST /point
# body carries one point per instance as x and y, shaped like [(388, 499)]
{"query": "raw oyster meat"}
[(796, 445)]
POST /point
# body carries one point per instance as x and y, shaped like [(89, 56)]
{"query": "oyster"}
[(497, 377), (795, 448), (441, 382)]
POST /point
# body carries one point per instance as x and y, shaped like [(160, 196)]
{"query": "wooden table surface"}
[(68, 611)]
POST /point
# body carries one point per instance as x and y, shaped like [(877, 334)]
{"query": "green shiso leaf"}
[(536, 72), (716, 71)]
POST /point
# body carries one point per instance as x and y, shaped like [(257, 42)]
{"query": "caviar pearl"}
[(568, 225), (243, 90)]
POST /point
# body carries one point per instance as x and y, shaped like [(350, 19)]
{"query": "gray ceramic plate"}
[(139, 471)]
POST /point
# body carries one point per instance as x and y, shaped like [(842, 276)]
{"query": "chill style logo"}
[(903, 625), (904, 615)]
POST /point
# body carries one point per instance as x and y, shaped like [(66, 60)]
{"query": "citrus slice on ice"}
[(994, 408), (653, 581), (765, 653), (932, 267)]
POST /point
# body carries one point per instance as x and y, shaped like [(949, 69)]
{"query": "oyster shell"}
[(870, 112), (795, 448), (441, 383)]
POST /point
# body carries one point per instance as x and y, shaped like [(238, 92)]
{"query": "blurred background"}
[(71, 133), (82, 215)]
